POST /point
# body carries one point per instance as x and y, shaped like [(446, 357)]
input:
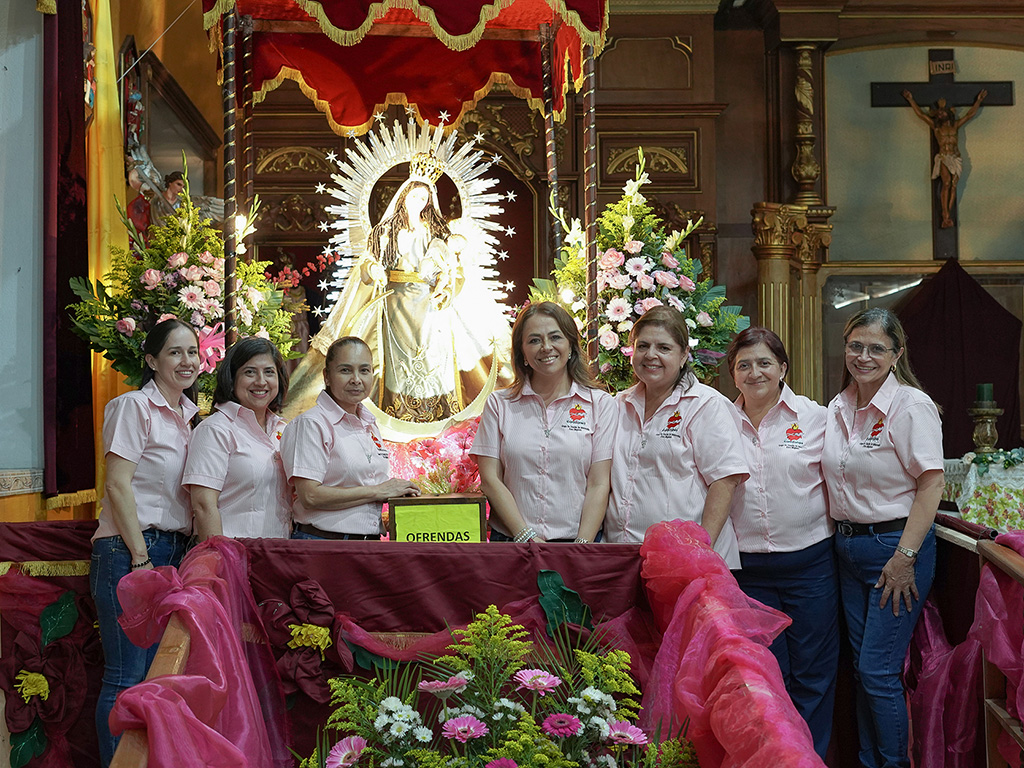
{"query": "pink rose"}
[(674, 302), (686, 284), (668, 260), (667, 279), (644, 304), (619, 281), (263, 333), (152, 279), (206, 257), (193, 274), (212, 288), (126, 326), (612, 259), (704, 319), (609, 339), (177, 260), (646, 282), (633, 246), (166, 316), (603, 277), (605, 367)]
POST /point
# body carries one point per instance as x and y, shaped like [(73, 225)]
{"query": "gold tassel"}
[(62, 500), (50, 568), (47, 6)]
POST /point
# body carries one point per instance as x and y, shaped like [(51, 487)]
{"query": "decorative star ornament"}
[(410, 110), (510, 286), (478, 137), (351, 133), (510, 231), (511, 196), (319, 311), (332, 156), (379, 117), (502, 255), (322, 226), (321, 188), (322, 285), (443, 117)]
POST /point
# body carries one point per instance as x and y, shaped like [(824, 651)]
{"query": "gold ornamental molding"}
[(515, 134), (293, 160), (774, 226), (659, 159)]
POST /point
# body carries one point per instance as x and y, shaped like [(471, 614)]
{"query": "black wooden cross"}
[(942, 85)]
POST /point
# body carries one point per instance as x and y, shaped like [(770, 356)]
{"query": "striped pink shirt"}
[(546, 453), (783, 505), (141, 427), (663, 467), (338, 449), (229, 452), (874, 455)]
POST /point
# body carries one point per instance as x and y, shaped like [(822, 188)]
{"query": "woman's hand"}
[(897, 580), (396, 486)]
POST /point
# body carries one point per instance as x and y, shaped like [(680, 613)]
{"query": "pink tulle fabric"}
[(714, 667), (997, 627), (943, 681), (226, 709)]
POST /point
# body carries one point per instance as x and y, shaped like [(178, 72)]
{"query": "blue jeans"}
[(880, 642), (125, 664), (802, 585)]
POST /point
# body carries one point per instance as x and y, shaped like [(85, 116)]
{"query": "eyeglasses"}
[(874, 350)]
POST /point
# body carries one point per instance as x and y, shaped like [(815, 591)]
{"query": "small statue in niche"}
[(948, 165)]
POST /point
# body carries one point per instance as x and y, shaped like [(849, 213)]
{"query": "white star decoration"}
[(322, 285), (511, 197), (332, 156), (410, 110), (351, 133), (379, 117), (478, 137), (510, 286), (443, 117), (322, 226), (510, 231), (502, 255), (319, 312), (321, 188)]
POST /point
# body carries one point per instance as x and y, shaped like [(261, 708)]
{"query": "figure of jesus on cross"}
[(948, 165)]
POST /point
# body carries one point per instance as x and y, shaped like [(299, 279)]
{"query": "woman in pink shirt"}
[(782, 525), (334, 456), (677, 452), (145, 519), (234, 471), (544, 445), (882, 462)]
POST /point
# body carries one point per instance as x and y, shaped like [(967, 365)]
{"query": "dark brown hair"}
[(753, 336), (578, 365), (671, 320), (891, 327), (241, 353)]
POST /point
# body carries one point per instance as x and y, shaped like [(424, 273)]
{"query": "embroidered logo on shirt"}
[(578, 420), (672, 426), (794, 437), (381, 450), (874, 439)]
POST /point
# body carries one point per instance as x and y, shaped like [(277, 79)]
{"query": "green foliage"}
[(28, 744), (181, 273), (560, 603), (639, 263)]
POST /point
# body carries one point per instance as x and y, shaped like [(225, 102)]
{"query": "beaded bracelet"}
[(143, 564), (526, 534), (581, 540)]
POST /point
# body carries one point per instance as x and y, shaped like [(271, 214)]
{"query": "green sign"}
[(439, 519)]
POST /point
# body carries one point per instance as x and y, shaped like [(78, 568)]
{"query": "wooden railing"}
[(171, 657), (997, 719)]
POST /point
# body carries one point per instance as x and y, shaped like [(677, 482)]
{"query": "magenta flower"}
[(502, 762), (464, 728), (537, 680), (346, 752), (686, 283), (645, 304), (621, 732), (445, 688), (561, 725)]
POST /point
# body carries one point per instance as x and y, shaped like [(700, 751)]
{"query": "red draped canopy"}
[(353, 58)]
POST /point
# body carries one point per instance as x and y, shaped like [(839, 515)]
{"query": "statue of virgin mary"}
[(439, 340)]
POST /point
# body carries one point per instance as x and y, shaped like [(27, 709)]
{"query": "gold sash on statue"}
[(400, 276)]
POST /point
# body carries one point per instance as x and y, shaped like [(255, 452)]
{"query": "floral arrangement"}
[(180, 274), (439, 464), (639, 268), (489, 704), (1001, 457)]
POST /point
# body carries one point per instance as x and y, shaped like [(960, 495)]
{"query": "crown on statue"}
[(425, 167)]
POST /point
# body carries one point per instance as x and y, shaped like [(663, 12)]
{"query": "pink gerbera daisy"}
[(621, 732), (637, 266), (445, 688), (346, 752), (191, 298), (537, 680), (618, 309), (561, 725), (464, 728)]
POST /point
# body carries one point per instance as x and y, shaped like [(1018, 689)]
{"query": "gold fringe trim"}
[(62, 500), (47, 567), (289, 73), (399, 641), (47, 6), (425, 14)]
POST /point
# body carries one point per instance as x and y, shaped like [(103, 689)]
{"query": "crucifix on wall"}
[(935, 102)]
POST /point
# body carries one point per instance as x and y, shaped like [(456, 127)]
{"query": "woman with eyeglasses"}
[(782, 524), (882, 462)]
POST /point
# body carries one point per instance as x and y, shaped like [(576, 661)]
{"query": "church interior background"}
[(755, 114)]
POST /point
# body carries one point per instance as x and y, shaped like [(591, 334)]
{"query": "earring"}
[(892, 369)]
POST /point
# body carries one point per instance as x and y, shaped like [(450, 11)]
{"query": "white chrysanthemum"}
[(391, 703), (399, 728), (423, 734), (601, 725), (382, 722)]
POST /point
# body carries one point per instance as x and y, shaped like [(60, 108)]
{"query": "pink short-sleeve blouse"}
[(142, 428), (663, 467), (338, 449), (229, 452), (783, 506), (546, 453), (874, 455)]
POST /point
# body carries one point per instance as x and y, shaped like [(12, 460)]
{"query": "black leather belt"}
[(847, 528), (312, 530)]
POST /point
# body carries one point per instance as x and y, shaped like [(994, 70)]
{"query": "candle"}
[(985, 394)]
